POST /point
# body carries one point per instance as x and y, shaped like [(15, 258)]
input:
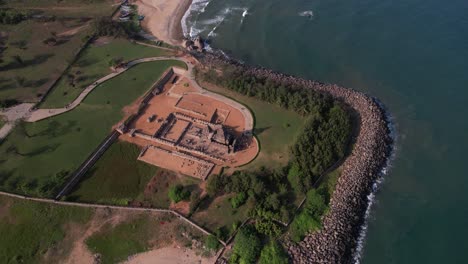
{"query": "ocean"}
[(413, 56)]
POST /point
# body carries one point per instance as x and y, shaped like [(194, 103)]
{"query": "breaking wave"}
[(199, 7), (375, 187), (308, 13)]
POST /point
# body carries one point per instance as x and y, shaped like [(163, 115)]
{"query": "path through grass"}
[(36, 158), (94, 64)]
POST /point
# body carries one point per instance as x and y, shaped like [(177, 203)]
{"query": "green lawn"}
[(68, 8), (40, 64), (29, 66), (276, 129), (30, 229), (2, 122), (117, 178), (36, 157), (94, 64)]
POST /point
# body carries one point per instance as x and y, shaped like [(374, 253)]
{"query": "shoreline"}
[(344, 227), (163, 18), (341, 236)]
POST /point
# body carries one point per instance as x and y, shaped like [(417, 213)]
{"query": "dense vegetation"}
[(247, 246), (178, 193), (11, 16), (270, 194)]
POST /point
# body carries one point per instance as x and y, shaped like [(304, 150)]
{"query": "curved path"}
[(40, 114)]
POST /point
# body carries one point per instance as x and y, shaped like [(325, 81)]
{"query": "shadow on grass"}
[(39, 59)]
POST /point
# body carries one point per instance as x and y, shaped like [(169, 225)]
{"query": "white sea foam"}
[(244, 14), (197, 7), (308, 13), (375, 187)]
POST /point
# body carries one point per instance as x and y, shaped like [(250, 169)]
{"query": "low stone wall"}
[(336, 241)]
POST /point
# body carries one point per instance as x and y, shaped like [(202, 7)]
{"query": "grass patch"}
[(276, 129), (126, 239), (142, 233), (218, 214), (156, 193), (36, 157), (30, 65), (30, 229), (117, 178), (94, 64)]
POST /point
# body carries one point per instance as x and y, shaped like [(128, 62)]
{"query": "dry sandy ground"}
[(80, 252), (169, 255), (163, 17)]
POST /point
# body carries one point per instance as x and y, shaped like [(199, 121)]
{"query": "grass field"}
[(94, 64), (275, 128), (29, 66), (117, 178), (69, 8), (36, 157), (2, 121), (219, 214), (30, 230), (140, 234)]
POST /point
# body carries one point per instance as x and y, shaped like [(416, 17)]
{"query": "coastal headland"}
[(281, 167), (336, 241)]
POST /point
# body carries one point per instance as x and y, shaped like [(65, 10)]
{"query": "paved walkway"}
[(13, 114), (41, 114)]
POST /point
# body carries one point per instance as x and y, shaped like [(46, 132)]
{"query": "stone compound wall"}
[(336, 241)]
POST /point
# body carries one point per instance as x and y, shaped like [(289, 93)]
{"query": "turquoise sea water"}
[(413, 55)]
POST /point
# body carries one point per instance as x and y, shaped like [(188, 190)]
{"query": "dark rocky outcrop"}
[(337, 240)]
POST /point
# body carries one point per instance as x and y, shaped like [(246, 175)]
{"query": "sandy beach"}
[(169, 255), (163, 18)]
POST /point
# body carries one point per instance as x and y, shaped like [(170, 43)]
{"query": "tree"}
[(247, 246), (178, 193), (273, 253)]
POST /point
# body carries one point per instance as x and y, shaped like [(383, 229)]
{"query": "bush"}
[(247, 246), (211, 243), (273, 253), (238, 200), (10, 16), (178, 193), (310, 217)]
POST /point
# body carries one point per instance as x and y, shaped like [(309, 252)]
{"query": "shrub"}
[(211, 243), (238, 200), (247, 246), (273, 253), (178, 193), (310, 217)]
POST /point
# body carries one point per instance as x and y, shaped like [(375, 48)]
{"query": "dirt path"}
[(80, 252)]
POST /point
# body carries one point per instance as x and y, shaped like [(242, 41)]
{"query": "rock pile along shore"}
[(336, 241)]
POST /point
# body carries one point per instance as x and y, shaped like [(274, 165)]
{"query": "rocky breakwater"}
[(337, 240)]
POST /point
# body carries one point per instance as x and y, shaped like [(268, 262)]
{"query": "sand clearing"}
[(169, 255), (163, 17)]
